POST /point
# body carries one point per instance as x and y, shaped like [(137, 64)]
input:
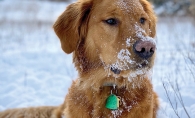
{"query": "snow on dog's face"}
[(113, 34)]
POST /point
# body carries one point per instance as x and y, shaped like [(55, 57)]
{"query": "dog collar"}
[(109, 84)]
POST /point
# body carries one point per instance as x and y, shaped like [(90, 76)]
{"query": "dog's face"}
[(117, 33), (114, 28)]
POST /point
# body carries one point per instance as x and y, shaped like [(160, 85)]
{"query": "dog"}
[(113, 46)]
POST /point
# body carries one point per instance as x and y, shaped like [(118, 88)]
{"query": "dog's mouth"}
[(144, 64), (117, 71)]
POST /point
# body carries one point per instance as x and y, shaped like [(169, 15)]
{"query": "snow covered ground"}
[(34, 71)]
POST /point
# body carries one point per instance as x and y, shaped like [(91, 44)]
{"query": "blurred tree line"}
[(171, 7)]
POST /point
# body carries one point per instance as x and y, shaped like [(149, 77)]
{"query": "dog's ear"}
[(152, 17), (68, 25)]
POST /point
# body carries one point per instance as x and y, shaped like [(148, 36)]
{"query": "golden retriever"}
[(113, 48)]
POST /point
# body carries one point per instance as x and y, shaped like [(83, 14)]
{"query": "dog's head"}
[(112, 34)]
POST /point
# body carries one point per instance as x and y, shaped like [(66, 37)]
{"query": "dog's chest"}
[(126, 102), (92, 104)]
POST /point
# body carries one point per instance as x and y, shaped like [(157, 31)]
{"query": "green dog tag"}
[(112, 102)]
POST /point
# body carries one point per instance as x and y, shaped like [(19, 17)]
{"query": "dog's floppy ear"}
[(67, 27), (152, 18)]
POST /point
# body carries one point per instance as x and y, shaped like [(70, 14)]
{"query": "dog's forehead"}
[(124, 6), (128, 5)]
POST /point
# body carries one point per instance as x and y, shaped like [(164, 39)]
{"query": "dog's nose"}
[(144, 49)]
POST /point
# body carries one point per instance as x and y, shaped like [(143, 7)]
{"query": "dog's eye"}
[(142, 20), (111, 21)]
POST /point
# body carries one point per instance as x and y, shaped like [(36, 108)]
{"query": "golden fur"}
[(97, 46)]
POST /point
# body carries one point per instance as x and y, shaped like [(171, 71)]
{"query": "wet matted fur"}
[(104, 37)]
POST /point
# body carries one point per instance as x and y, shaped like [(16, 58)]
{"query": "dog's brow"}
[(112, 12)]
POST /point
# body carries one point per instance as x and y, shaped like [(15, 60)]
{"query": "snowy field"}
[(34, 71)]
